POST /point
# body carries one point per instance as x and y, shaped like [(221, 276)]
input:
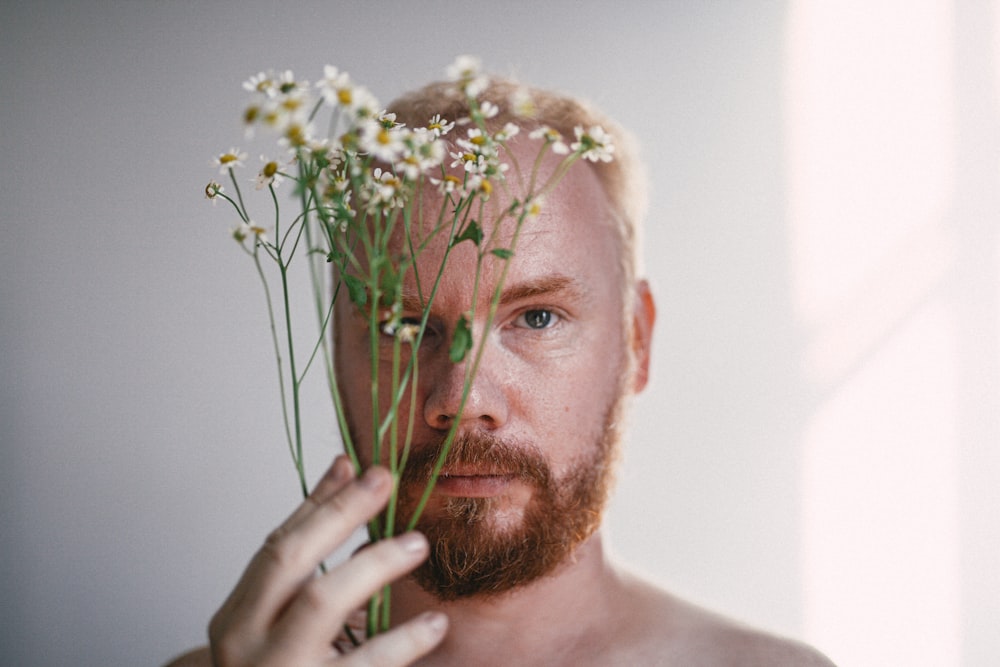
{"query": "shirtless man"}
[(513, 569)]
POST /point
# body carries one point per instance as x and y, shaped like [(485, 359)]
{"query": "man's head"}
[(527, 479)]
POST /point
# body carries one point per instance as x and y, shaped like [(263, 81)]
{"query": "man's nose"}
[(486, 404)]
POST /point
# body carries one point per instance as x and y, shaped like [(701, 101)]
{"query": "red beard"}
[(470, 554)]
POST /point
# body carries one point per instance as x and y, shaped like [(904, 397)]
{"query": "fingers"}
[(322, 603), (281, 613), (400, 646), (291, 554)]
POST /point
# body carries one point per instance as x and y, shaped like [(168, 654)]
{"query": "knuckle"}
[(314, 598), (225, 650), (281, 549)]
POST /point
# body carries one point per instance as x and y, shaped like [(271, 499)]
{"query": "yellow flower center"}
[(478, 140), (486, 187), (384, 137), (344, 96), (270, 169), (250, 115), (295, 135), (227, 158)]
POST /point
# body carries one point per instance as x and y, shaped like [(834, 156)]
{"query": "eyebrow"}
[(554, 284), (546, 285)]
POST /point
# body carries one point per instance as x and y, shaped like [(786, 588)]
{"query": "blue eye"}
[(537, 319)]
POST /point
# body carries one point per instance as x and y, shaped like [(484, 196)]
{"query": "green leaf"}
[(472, 232), (503, 253), (356, 290), (461, 342)]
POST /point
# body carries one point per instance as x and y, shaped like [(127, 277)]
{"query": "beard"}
[(477, 547)]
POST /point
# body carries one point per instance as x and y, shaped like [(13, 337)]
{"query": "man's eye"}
[(536, 319)]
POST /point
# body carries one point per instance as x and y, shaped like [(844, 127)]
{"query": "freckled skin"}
[(529, 381)]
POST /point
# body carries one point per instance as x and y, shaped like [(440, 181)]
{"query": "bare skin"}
[(550, 385)]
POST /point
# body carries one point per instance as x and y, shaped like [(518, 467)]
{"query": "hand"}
[(281, 613)]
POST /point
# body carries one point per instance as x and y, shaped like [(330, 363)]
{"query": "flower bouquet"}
[(368, 196)]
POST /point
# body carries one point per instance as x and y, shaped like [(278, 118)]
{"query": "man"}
[(513, 568)]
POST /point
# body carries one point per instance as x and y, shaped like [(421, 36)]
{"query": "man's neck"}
[(573, 606)]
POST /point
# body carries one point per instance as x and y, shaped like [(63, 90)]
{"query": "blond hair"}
[(623, 179)]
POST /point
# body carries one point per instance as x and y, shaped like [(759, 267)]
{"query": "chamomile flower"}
[(245, 230), (268, 174), (287, 85), (385, 144), (386, 190), (476, 140), (467, 72), (552, 137), (212, 191), (439, 126), (422, 152), (505, 133), (480, 184), (471, 162), (387, 119), (448, 184), (523, 104), (230, 160), (533, 207), (297, 134), (339, 90), (263, 83), (595, 144), (489, 110)]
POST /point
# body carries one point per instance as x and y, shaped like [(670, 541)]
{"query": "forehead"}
[(574, 228)]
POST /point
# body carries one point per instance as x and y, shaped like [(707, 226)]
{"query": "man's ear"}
[(643, 319)]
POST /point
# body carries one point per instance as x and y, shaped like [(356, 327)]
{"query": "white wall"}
[(817, 453)]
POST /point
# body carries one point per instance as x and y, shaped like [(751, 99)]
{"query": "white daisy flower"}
[(439, 126), (449, 184), (246, 230), (595, 144), (508, 131), (262, 82), (385, 144), (339, 90), (212, 191), (422, 153), (551, 137), (466, 71), (489, 110), (386, 189), (230, 160), (268, 174), (523, 104)]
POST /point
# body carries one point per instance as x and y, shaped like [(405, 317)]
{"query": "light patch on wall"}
[(871, 170), (880, 532)]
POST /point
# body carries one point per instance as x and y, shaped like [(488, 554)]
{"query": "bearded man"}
[(508, 566)]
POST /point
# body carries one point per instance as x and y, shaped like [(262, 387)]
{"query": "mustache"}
[(485, 452)]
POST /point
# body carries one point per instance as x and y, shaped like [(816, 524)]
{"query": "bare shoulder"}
[(669, 631), (199, 657)]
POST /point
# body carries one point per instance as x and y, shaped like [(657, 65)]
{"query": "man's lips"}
[(472, 484)]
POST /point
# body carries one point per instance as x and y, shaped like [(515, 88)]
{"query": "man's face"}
[(527, 477)]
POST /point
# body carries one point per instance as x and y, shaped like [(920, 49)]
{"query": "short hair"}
[(623, 179)]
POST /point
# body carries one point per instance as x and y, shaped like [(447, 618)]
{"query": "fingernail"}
[(435, 620), (413, 542), (373, 479), (338, 471)]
